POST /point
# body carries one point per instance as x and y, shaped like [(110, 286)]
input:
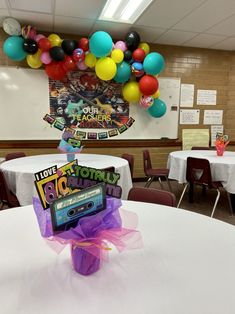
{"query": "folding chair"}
[(150, 195), (152, 173)]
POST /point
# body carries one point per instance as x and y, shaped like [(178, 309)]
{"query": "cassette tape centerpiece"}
[(66, 211)]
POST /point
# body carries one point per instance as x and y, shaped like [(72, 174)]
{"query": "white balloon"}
[(11, 26)]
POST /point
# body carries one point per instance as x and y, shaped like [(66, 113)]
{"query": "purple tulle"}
[(87, 246)]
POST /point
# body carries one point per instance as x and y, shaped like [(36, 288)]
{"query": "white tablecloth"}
[(185, 267), (19, 172), (222, 167)]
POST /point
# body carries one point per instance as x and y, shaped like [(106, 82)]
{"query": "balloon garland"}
[(127, 62)]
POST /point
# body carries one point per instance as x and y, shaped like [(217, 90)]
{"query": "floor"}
[(202, 204)]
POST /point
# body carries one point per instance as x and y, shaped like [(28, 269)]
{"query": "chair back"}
[(200, 148), (130, 159), (150, 195), (198, 171), (6, 196), (14, 155), (110, 169), (147, 161)]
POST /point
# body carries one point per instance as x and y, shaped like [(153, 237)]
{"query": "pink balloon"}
[(38, 37), (81, 65), (45, 57), (120, 45)]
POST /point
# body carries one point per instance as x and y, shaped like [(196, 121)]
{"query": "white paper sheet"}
[(213, 117), (206, 97), (214, 130), (186, 95), (190, 116)]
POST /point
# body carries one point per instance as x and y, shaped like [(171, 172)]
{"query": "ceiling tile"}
[(72, 25), (227, 44), (207, 15), (165, 13), (43, 22), (116, 30), (88, 9), (173, 37), (3, 4), (226, 27), (204, 41), (148, 34), (43, 6)]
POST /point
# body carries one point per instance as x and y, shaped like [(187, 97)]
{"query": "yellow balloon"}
[(145, 47), (131, 92), (156, 94), (117, 55), (90, 60), (105, 68), (55, 40), (34, 60)]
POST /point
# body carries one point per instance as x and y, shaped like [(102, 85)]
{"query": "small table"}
[(186, 266), (19, 172), (222, 167)]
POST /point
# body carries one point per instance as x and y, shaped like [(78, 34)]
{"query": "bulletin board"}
[(24, 101)]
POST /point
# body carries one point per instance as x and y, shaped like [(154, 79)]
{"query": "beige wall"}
[(206, 69)]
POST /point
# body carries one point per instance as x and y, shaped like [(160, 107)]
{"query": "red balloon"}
[(138, 54), (148, 85), (44, 44), (84, 44), (55, 70), (69, 64)]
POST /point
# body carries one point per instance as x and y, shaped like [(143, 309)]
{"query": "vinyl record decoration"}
[(128, 62)]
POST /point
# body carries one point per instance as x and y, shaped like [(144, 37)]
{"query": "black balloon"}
[(30, 46), (127, 55), (69, 46), (57, 53), (132, 40)]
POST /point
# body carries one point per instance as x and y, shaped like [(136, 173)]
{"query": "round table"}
[(186, 266), (19, 172), (222, 167)]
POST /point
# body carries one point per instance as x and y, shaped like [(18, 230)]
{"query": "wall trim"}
[(11, 144), (89, 144)]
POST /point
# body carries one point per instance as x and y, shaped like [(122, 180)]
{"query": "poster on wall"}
[(82, 100)]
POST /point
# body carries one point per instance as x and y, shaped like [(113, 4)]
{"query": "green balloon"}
[(13, 48), (123, 72), (158, 109)]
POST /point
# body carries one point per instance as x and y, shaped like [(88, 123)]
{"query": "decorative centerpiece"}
[(81, 207), (220, 143)]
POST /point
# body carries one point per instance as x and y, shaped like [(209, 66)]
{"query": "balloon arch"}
[(128, 62)]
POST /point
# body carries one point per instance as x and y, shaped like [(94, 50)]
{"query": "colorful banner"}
[(84, 101)]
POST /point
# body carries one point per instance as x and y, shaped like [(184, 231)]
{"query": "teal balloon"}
[(158, 109), (100, 44), (13, 48), (123, 72), (153, 63)]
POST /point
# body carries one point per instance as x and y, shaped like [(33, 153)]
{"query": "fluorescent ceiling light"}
[(123, 11)]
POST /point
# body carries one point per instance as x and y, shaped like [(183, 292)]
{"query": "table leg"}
[(232, 202), (190, 193)]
